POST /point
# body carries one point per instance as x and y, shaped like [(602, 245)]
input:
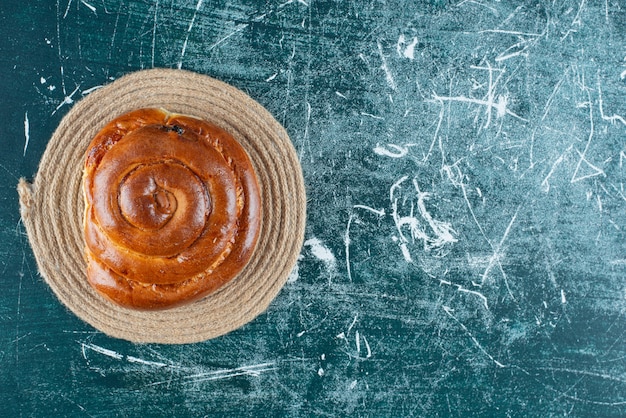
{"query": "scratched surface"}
[(465, 250)]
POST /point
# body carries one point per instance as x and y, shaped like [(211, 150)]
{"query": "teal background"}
[(465, 249)]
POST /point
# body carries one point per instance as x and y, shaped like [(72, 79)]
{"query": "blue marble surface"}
[(465, 249)]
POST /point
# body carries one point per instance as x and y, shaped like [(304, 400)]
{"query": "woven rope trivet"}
[(52, 207)]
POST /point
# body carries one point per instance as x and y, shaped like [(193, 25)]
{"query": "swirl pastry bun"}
[(172, 209)]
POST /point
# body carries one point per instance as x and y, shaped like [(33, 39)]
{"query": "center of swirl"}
[(144, 202), (164, 201), (148, 195)]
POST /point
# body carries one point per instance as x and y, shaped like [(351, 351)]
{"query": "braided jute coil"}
[(52, 207)]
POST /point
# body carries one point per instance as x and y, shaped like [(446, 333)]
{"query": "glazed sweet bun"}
[(172, 209)]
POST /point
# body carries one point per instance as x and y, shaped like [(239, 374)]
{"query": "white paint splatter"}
[(380, 212), (346, 242), (42, 80), (346, 237), (388, 76), (492, 102), (391, 150), (439, 234), (190, 375), (253, 370), (132, 359), (67, 100), (444, 234), (89, 6), (154, 28), (26, 132), (94, 88), (405, 49), (615, 117), (500, 105), (102, 350), (588, 169), (352, 324), (369, 115), (67, 9), (295, 273), (323, 253), (405, 250), (367, 347), (293, 1), (237, 29), (545, 184), (464, 290), (193, 19)]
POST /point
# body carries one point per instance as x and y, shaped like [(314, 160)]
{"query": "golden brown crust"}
[(172, 209)]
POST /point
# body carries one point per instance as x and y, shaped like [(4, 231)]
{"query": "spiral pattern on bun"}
[(172, 209)]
